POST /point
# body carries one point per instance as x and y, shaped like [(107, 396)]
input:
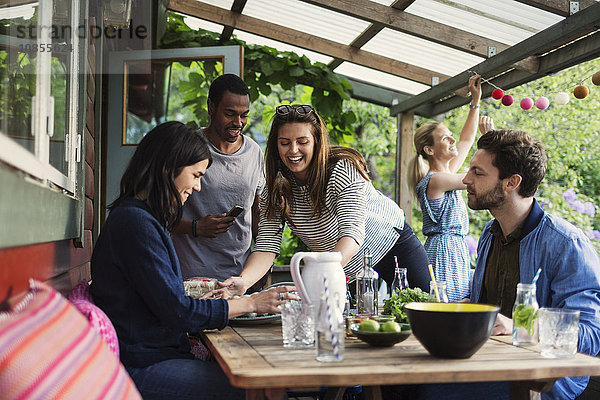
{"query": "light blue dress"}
[(446, 223)]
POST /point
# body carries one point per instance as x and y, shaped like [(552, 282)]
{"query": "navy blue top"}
[(136, 281)]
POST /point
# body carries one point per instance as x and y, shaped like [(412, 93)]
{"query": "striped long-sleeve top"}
[(354, 208)]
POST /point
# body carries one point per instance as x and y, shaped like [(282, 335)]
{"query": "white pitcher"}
[(316, 266)]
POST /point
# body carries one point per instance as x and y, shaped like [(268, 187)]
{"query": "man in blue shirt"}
[(504, 174)]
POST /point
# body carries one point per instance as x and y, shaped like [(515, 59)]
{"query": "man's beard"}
[(491, 199)]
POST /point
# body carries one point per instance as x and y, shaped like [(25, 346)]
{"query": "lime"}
[(369, 325), (390, 326)]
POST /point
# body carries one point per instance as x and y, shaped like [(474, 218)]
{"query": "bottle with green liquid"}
[(524, 316)]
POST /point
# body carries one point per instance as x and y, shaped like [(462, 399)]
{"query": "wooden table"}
[(254, 358)]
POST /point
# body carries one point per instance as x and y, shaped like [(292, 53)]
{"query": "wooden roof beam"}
[(300, 39), (414, 25), (559, 7), (401, 5), (371, 31), (236, 7), (572, 27), (359, 41)]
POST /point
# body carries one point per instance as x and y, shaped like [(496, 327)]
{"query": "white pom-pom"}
[(562, 98)]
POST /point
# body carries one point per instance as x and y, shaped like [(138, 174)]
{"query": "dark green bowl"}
[(451, 330), (381, 339)]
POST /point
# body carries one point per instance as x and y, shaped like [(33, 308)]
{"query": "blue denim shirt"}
[(570, 278)]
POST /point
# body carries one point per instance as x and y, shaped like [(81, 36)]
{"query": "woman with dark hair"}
[(136, 277), (325, 195)]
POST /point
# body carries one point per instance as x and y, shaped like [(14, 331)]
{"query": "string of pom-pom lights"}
[(561, 98)]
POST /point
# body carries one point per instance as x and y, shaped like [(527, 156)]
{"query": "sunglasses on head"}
[(299, 109)]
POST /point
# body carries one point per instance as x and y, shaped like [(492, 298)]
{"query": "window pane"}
[(166, 90), (18, 72), (60, 67)]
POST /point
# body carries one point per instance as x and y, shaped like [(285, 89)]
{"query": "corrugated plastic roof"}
[(505, 22)]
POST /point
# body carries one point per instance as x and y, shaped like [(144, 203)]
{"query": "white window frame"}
[(37, 164), (38, 202)]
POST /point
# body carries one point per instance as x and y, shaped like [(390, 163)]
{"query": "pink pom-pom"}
[(542, 103), (526, 103), (497, 94), (507, 100)]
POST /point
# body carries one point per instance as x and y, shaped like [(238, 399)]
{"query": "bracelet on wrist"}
[(473, 107), (195, 228)]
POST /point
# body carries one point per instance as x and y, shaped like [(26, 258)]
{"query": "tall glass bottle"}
[(400, 282), (366, 286), (524, 315), (348, 300)]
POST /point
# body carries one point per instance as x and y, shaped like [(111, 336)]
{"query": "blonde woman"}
[(437, 184)]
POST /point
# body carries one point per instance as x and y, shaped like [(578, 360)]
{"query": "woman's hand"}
[(214, 294), (486, 124), (235, 285), (502, 326), (475, 89), (266, 301)]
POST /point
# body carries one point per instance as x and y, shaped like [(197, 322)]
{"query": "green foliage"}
[(290, 244), (570, 134), (579, 210), (17, 85), (266, 68)]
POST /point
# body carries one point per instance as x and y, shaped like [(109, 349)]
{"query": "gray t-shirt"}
[(232, 179)]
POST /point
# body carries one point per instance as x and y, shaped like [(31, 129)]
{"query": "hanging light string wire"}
[(587, 75)]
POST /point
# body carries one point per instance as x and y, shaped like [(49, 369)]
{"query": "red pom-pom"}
[(507, 100), (497, 94)]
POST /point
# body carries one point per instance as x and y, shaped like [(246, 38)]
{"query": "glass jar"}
[(442, 292), (524, 315)]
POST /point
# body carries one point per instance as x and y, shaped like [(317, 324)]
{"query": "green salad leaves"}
[(524, 317), (395, 304)]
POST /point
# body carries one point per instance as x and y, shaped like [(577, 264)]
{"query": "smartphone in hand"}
[(235, 211)]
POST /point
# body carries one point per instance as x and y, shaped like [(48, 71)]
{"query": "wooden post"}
[(404, 153)]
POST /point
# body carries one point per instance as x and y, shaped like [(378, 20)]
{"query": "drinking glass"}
[(331, 331), (298, 324), (441, 289), (559, 331), (330, 343)]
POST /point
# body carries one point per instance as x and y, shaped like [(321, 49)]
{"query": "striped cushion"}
[(100, 322), (49, 351), (81, 298)]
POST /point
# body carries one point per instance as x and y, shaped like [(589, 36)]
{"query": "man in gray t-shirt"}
[(208, 242)]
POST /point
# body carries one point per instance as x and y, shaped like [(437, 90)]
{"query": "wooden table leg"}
[(268, 394), (334, 393), (372, 392), (520, 390)]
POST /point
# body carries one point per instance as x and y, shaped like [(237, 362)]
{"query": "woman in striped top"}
[(437, 185), (325, 195)]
